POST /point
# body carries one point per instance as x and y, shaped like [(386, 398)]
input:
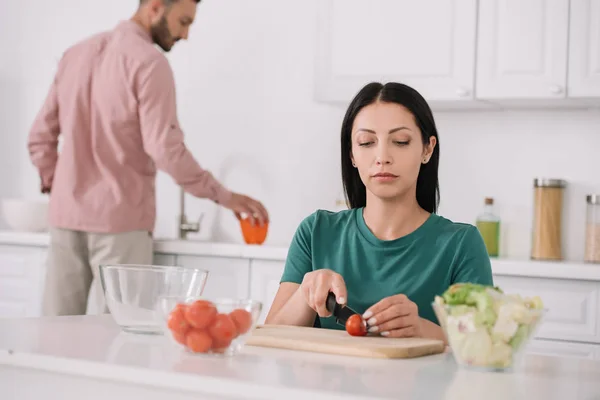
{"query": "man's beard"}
[(161, 35)]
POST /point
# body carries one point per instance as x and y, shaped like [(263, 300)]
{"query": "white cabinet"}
[(564, 349), (428, 44), (227, 277), (573, 309), (264, 283), (466, 54), (584, 49), (522, 49), (22, 274)]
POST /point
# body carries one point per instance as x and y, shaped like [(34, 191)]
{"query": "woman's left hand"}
[(395, 316)]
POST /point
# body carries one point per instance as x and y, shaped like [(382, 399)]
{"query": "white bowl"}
[(25, 215)]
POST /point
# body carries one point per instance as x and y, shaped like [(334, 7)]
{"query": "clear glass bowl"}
[(132, 291), (496, 347), (224, 307)]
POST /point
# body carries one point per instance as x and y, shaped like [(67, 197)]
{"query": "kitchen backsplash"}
[(245, 94)]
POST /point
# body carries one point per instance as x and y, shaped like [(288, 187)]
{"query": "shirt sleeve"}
[(299, 257), (42, 142), (162, 135), (473, 263)]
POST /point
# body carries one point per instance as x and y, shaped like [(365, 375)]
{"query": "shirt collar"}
[(134, 27)]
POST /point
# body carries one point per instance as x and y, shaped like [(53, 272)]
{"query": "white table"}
[(88, 357)]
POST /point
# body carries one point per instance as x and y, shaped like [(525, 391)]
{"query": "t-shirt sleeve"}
[(299, 257), (473, 263)]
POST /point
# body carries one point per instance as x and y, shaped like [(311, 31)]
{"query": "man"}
[(113, 101)]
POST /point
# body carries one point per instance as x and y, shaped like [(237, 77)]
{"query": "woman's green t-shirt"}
[(419, 265)]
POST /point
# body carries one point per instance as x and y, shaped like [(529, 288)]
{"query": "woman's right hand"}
[(316, 285)]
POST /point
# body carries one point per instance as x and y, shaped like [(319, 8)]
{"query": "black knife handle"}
[(330, 303)]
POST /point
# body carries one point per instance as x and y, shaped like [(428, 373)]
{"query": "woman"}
[(390, 254)]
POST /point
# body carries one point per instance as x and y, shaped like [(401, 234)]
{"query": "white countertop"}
[(190, 247), (24, 238), (167, 246), (500, 266), (92, 348), (546, 269)]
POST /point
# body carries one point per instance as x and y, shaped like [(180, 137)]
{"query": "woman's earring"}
[(425, 160)]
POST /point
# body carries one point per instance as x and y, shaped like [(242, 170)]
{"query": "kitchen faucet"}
[(184, 226)]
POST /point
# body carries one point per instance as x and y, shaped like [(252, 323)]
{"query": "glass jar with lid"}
[(547, 219), (592, 229)]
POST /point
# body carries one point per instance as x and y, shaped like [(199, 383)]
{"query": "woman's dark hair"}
[(428, 190)]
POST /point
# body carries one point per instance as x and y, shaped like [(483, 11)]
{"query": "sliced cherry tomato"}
[(199, 341), (223, 329), (200, 314), (242, 320), (355, 326), (177, 321)]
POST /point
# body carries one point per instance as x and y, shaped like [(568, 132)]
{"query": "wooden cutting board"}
[(340, 342)]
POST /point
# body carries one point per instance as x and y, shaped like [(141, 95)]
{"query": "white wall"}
[(499, 154), (245, 90)]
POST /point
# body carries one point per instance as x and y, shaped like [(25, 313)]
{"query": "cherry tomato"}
[(200, 314), (219, 350), (222, 329), (177, 322), (219, 345), (242, 320), (355, 326), (199, 341), (180, 338)]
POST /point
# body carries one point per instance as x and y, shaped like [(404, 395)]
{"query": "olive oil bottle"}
[(488, 225)]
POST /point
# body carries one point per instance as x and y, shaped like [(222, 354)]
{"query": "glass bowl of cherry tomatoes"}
[(209, 325)]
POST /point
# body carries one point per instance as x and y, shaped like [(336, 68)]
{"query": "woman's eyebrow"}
[(400, 128)]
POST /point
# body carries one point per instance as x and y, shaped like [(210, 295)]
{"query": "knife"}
[(339, 311)]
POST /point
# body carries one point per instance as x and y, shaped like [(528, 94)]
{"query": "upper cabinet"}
[(429, 45), (522, 49), (584, 50), (462, 53)]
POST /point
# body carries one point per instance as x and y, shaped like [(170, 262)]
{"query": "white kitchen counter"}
[(167, 246), (24, 238), (199, 248), (89, 357), (505, 267)]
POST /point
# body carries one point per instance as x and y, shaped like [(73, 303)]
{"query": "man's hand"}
[(241, 204), (45, 188)]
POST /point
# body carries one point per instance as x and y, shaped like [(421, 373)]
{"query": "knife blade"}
[(339, 311)]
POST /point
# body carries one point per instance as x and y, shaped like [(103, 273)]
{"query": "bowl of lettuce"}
[(486, 328)]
